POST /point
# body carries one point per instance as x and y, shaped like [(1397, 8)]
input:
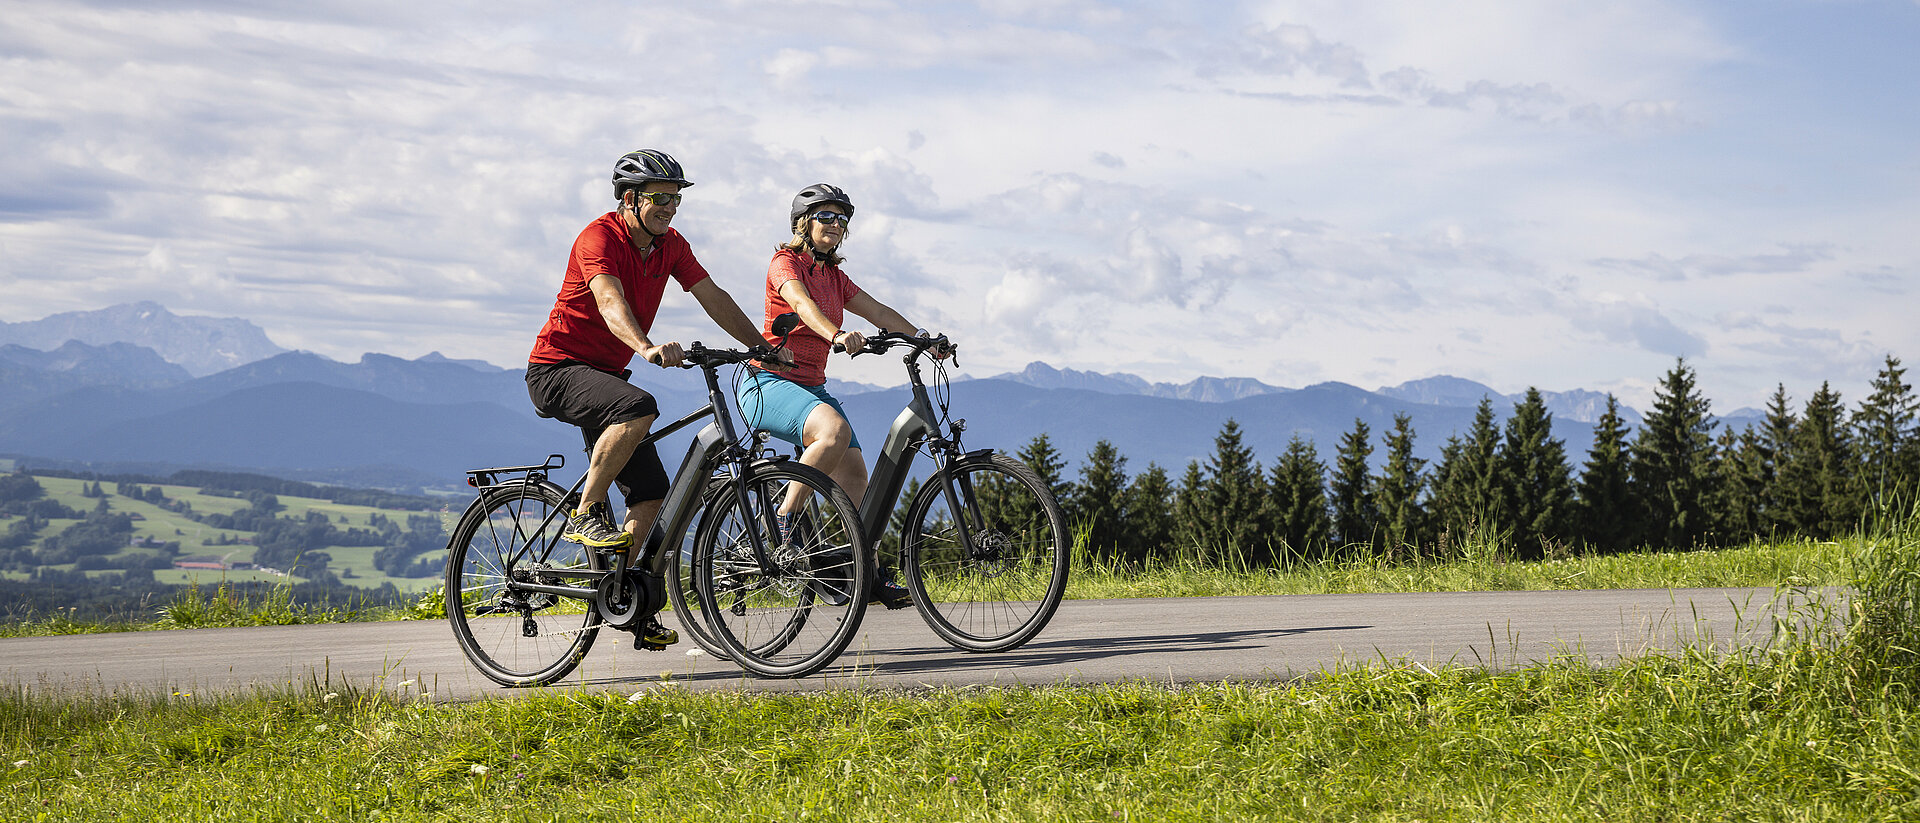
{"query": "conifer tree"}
[(1190, 526), (1098, 500), (1884, 428), (1046, 462), (1817, 482), (1609, 519), (1538, 485), (1299, 496), (1402, 518), (1234, 501), (1773, 448), (1002, 502), (1468, 492), (1672, 464), (1742, 470), (1351, 489), (1149, 514)]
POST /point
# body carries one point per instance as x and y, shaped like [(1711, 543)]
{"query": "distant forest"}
[(1676, 483)]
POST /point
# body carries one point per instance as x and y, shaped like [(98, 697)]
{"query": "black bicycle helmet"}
[(815, 196), (636, 168)]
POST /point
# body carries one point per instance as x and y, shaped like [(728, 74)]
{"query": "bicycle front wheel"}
[(999, 589), (680, 587), (513, 636), (792, 615)]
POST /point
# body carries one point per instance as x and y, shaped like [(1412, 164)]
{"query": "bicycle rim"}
[(796, 620), (517, 638), (680, 588), (1001, 591)]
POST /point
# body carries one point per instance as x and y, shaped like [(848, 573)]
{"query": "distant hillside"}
[(202, 345)]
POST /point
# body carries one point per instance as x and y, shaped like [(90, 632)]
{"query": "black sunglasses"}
[(831, 216)]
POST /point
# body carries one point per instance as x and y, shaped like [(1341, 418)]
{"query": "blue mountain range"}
[(117, 406)]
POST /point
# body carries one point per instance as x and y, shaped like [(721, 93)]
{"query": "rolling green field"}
[(353, 563)]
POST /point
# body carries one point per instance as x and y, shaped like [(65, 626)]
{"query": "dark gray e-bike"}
[(982, 544), (526, 605)]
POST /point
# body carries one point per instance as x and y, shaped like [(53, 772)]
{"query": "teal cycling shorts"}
[(780, 406)]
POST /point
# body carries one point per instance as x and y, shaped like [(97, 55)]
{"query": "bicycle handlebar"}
[(698, 356), (882, 342)]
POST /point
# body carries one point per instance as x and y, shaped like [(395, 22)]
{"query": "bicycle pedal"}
[(643, 645)]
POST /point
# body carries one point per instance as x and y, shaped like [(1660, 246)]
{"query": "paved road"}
[(1185, 639)]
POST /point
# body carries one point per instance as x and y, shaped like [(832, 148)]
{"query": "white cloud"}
[(1556, 194)]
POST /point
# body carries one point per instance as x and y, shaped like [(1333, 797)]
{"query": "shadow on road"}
[(1069, 652)]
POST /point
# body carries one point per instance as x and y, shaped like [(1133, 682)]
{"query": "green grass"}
[(1818, 723), (1801, 730), (194, 537), (1760, 563)]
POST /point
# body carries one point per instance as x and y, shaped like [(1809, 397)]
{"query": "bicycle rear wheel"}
[(794, 618), (999, 592), (513, 636)]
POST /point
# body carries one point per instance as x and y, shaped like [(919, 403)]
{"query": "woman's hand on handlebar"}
[(775, 359), (850, 341)]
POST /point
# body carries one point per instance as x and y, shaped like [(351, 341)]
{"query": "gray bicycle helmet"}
[(815, 196), (637, 168)]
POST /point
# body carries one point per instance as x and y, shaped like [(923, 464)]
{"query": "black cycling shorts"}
[(581, 395)]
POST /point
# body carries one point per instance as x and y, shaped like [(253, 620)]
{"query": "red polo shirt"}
[(830, 289), (575, 330)]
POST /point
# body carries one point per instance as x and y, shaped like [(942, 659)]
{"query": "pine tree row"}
[(1671, 484)]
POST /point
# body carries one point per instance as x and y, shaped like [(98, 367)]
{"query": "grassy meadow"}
[(1818, 724), (353, 563)]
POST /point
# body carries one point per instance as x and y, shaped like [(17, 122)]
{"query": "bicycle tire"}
[(783, 624), (552, 633), (680, 590), (999, 597)]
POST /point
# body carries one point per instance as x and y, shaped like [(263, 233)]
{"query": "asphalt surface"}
[(1089, 641)]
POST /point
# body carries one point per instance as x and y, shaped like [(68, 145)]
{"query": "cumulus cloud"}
[(1319, 192)]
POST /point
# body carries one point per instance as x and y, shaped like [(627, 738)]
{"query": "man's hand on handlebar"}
[(666, 355)]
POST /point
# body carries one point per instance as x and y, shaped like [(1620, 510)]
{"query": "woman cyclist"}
[(805, 277)]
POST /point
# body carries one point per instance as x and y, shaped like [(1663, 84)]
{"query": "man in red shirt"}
[(577, 372)]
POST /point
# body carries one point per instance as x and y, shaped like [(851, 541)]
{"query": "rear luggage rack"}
[(486, 478)]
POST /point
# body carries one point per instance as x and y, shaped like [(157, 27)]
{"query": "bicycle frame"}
[(711, 446), (917, 425)]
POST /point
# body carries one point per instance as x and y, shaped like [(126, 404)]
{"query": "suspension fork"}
[(963, 502)]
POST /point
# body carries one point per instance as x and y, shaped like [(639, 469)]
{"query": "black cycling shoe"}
[(888, 593), (653, 637)]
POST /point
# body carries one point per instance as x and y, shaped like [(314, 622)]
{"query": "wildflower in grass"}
[(478, 769), (408, 684), (21, 764), (636, 697), (696, 652), (331, 696), (666, 675), (320, 728)]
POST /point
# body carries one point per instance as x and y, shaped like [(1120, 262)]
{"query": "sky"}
[(1550, 194)]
